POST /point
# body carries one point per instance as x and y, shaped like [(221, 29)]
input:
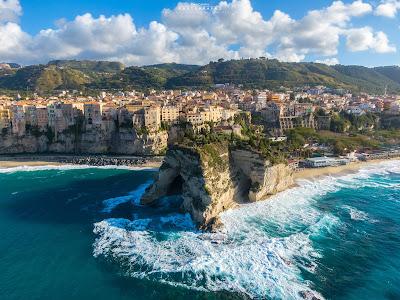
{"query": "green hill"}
[(250, 73), (147, 77), (172, 69), (43, 79), (132, 78), (392, 72), (89, 65), (264, 73)]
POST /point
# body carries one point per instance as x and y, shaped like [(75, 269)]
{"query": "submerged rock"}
[(215, 178)]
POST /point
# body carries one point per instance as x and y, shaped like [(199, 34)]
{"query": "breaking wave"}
[(358, 215), (133, 197), (262, 252)]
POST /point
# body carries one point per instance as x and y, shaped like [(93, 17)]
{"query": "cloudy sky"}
[(154, 31)]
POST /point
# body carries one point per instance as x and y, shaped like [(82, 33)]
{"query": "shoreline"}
[(13, 161), (354, 167)]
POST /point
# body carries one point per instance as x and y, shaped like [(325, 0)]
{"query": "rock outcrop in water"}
[(214, 178)]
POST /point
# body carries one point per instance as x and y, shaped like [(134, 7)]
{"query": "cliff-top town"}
[(155, 112)]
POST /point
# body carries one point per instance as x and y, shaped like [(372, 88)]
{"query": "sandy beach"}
[(12, 162), (16, 163), (309, 173), (353, 167)]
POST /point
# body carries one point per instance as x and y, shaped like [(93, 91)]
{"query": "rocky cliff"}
[(214, 178), (90, 142)]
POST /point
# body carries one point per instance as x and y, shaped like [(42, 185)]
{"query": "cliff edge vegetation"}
[(217, 176)]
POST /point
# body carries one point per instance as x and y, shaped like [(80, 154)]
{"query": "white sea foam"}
[(261, 252), (247, 258), (358, 215), (70, 167), (133, 197)]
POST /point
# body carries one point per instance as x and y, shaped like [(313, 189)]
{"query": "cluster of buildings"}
[(109, 112), (278, 111), (57, 115)]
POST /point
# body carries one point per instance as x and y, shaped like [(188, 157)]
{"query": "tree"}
[(339, 124), (320, 112), (296, 140), (339, 148)]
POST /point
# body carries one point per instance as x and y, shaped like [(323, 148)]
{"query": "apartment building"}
[(296, 115), (30, 115), (152, 117), (271, 112), (170, 114), (60, 116), (42, 118), (215, 113), (194, 118), (4, 117), (92, 113), (18, 120)]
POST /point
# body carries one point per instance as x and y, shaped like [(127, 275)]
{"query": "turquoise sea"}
[(80, 233)]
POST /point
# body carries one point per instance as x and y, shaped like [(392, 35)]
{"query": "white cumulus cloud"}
[(361, 39), (10, 11), (189, 33), (388, 8)]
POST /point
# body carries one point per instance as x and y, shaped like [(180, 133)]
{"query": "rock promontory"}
[(215, 177)]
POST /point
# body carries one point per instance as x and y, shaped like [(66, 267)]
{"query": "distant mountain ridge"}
[(265, 73), (250, 73)]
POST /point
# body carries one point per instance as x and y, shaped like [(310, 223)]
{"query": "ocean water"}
[(80, 233)]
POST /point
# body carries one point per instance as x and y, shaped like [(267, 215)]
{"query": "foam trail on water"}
[(133, 197), (262, 252), (358, 215)]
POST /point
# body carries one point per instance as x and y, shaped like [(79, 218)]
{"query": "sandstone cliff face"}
[(91, 142), (215, 179), (265, 179)]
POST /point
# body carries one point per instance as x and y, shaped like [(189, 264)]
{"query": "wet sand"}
[(310, 173), (16, 163), (12, 162)]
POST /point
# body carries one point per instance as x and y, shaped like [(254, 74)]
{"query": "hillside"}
[(392, 72), (263, 73), (89, 65), (44, 79), (250, 73), (147, 77), (173, 69), (132, 78)]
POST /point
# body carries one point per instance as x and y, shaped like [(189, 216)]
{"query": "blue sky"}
[(39, 14), (348, 32)]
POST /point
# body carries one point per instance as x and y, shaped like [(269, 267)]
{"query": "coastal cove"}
[(229, 150), (279, 248)]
